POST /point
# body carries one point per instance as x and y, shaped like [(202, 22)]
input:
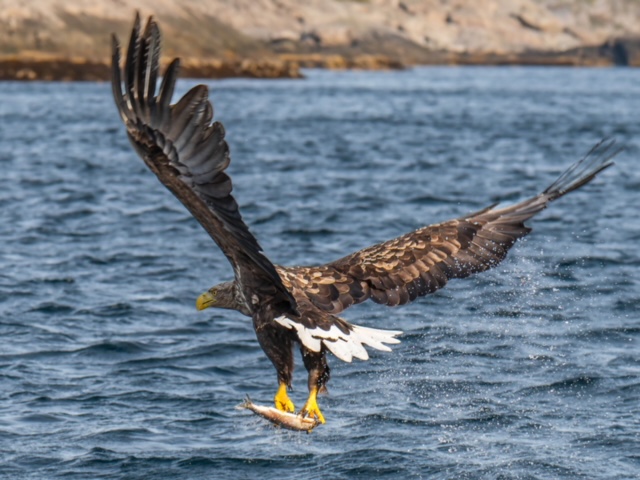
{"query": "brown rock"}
[(347, 33), (66, 70)]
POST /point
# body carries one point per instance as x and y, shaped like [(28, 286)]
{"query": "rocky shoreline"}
[(54, 40), (623, 52), (61, 69)]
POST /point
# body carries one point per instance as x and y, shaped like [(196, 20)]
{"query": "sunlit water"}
[(530, 371)]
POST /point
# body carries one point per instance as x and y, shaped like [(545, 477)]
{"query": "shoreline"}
[(78, 70), (614, 53)]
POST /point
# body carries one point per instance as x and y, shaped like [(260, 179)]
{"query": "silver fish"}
[(286, 420)]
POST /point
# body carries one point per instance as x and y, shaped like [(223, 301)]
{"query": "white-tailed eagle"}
[(300, 305)]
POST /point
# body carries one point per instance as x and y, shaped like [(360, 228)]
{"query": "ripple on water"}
[(113, 348)]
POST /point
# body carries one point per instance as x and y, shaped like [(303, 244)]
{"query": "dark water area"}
[(529, 371)]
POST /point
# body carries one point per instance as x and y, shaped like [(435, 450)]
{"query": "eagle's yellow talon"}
[(282, 400), (313, 413), (311, 408)]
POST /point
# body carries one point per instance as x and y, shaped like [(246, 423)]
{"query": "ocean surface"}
[(529, 371)]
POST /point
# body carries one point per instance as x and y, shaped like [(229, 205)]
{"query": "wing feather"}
[(162, 116), (421, 262), (189, 156)]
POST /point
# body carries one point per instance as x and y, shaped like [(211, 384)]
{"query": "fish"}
[(290, 421)]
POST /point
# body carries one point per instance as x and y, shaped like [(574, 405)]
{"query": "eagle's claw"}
[(282, 400), (312, 410)]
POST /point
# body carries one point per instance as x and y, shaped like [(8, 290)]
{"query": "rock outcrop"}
[(273, 38)]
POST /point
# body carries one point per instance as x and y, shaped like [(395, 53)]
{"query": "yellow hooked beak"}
[(205, 300)]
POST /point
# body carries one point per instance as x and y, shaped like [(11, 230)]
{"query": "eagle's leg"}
[(282, 400), (316, 364), (277, 343)]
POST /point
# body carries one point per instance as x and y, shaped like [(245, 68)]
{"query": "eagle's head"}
[(219, 296)]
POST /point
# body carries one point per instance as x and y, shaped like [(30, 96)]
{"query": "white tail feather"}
[(345, 346)]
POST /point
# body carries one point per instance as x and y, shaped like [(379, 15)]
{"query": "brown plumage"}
[(418, 263), (298, 305)]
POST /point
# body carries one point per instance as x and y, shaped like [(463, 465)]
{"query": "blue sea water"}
[(529, 371)]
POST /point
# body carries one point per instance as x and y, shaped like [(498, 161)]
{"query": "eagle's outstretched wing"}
[(189, 155), (400, 270)]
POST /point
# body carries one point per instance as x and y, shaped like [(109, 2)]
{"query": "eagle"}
[(301, 305)]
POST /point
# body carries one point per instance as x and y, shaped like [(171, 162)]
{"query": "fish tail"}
[(246, 404)]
